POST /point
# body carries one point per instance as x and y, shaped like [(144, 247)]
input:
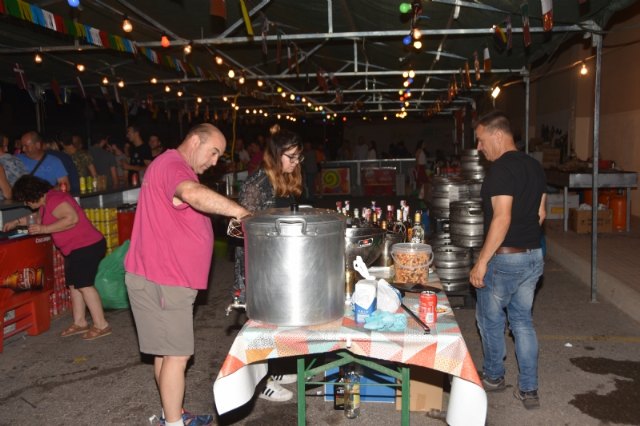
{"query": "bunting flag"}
[(500, 38), (476, 65), (81, 87), (547, 14), (21, 78), (322, 81), (55, 88), (486, 60), (467, 74), (509, 33), (246, 18), (526, 32), (218, 8)]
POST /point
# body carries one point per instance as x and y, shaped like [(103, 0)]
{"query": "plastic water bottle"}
[(352, 395)]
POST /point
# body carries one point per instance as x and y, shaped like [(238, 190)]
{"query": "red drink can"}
[(428, 307)]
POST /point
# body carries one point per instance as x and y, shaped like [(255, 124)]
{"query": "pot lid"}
[(309, 214)]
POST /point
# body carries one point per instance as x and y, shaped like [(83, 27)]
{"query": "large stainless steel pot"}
[(366, 242), (294, 266)]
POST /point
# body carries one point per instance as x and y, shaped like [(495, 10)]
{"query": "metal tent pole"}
[(597, 40)]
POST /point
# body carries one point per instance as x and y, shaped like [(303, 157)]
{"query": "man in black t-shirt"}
[(139, 153), (510, 261)]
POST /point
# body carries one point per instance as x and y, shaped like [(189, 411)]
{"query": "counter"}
[(584, 180), (443, 350)]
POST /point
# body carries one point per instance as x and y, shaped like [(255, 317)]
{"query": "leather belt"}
[(510, 250)]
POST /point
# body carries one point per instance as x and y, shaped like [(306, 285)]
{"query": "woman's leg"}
[(78, 307), (93, 302)]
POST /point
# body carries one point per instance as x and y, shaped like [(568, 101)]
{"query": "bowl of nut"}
[(411, 262)]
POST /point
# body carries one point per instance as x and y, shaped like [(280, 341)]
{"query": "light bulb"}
[(199, 100), (241, 80), (188, 48), (73, 3), (37, 58), (164, 41), (218, 60), (179, 93), (292, 97), (412, 73), (260, 83), (167, 88), (405, 7), (154, 80), (121, 83), (584, 70), (80, 67), (417, 44), (417, 34), (495, 92), (105, 81), (231, 73), (127, 27)]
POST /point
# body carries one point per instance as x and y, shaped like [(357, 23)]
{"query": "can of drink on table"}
[(428, 307)]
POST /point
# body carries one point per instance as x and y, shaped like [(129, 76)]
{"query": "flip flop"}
[(96, 333), (74, 329)]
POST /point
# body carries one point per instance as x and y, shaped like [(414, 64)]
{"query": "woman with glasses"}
[(277, 183)]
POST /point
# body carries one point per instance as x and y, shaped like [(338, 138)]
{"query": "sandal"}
[(74, 329), (95, 333)]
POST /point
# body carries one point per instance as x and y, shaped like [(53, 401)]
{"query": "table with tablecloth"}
[(444, 349)]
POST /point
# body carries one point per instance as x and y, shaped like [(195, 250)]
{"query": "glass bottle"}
[(352, 394), (417, 232), (338, 391)]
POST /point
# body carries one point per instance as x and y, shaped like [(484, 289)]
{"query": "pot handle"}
[(291, 221)]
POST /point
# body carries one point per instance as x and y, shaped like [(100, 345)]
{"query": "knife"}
[(424, 326)]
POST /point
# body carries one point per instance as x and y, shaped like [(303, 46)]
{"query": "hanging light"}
[(199, 100), (154, 80), (583, 69), (37, 58), (73, 3), (218, 60), (188, 48), (121, 83), (260, 83), (231, 73), (179, 93), (164, 41), (127, 26), (292, 97), (416, 33), (167, 88), (412, 73), (417, 44), (406, 40), (405, 7), (105, 80), (225, 98), (80, 67), (241, 79), (495, 92)]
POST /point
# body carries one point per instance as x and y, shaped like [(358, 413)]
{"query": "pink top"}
[(170, 245), (82, 235)]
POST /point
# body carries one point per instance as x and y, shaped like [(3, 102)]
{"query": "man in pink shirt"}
[(170, 257)]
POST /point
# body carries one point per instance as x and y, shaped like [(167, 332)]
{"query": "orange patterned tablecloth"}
[(444, 350)]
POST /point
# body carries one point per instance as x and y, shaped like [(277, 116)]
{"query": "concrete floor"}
[(589, 362)]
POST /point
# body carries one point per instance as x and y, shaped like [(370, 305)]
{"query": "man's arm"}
[(206, 200), (495, 236), (542, 210)]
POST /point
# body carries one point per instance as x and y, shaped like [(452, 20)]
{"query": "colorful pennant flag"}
[(547, 14), (509, 33), (476, 65), (486, 60), (526, 32), (500, 38)]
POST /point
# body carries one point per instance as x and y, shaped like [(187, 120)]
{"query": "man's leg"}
[(170, 375)]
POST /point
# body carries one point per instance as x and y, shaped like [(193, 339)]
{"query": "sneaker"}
[(284, 379), (190, 419), (274, 392), (529, 399), (493, 385)]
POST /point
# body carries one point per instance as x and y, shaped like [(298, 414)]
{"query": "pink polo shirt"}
[(170, 245), (83, 234)]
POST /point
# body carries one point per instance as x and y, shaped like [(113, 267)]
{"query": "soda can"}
[(428, 307)]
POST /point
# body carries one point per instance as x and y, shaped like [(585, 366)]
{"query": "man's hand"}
[(476, 276)]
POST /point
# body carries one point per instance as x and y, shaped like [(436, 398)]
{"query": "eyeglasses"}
[(295, 158)]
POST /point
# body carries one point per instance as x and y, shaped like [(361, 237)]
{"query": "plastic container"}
[(412, 254), (412, 274)]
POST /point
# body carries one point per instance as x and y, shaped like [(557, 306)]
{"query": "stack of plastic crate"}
[(60, 299)]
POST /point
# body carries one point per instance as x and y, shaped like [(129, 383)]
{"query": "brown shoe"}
[(74, 329), (95, 333)]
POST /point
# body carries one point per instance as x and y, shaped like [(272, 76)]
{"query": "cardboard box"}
[(580, 221), (425, 391), (555, 208)]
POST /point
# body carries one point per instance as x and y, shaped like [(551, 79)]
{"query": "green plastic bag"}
[(110, 279)]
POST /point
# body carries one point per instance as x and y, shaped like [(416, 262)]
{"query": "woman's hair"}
[(283, 183), (30, 188)]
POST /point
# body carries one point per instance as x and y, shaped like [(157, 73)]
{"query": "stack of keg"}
[(454, 203)]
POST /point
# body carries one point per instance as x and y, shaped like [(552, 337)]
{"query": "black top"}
[(516, 174), (137, 155)]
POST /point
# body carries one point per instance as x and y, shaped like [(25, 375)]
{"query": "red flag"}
[(547, 14), (487, 60), (21, 78)]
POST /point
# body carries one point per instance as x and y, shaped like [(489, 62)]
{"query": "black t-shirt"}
[(516, 174), (137, 155)]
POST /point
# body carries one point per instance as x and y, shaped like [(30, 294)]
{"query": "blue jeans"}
[(510, 283)]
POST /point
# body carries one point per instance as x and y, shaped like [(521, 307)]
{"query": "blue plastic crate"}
[(385, 394)]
